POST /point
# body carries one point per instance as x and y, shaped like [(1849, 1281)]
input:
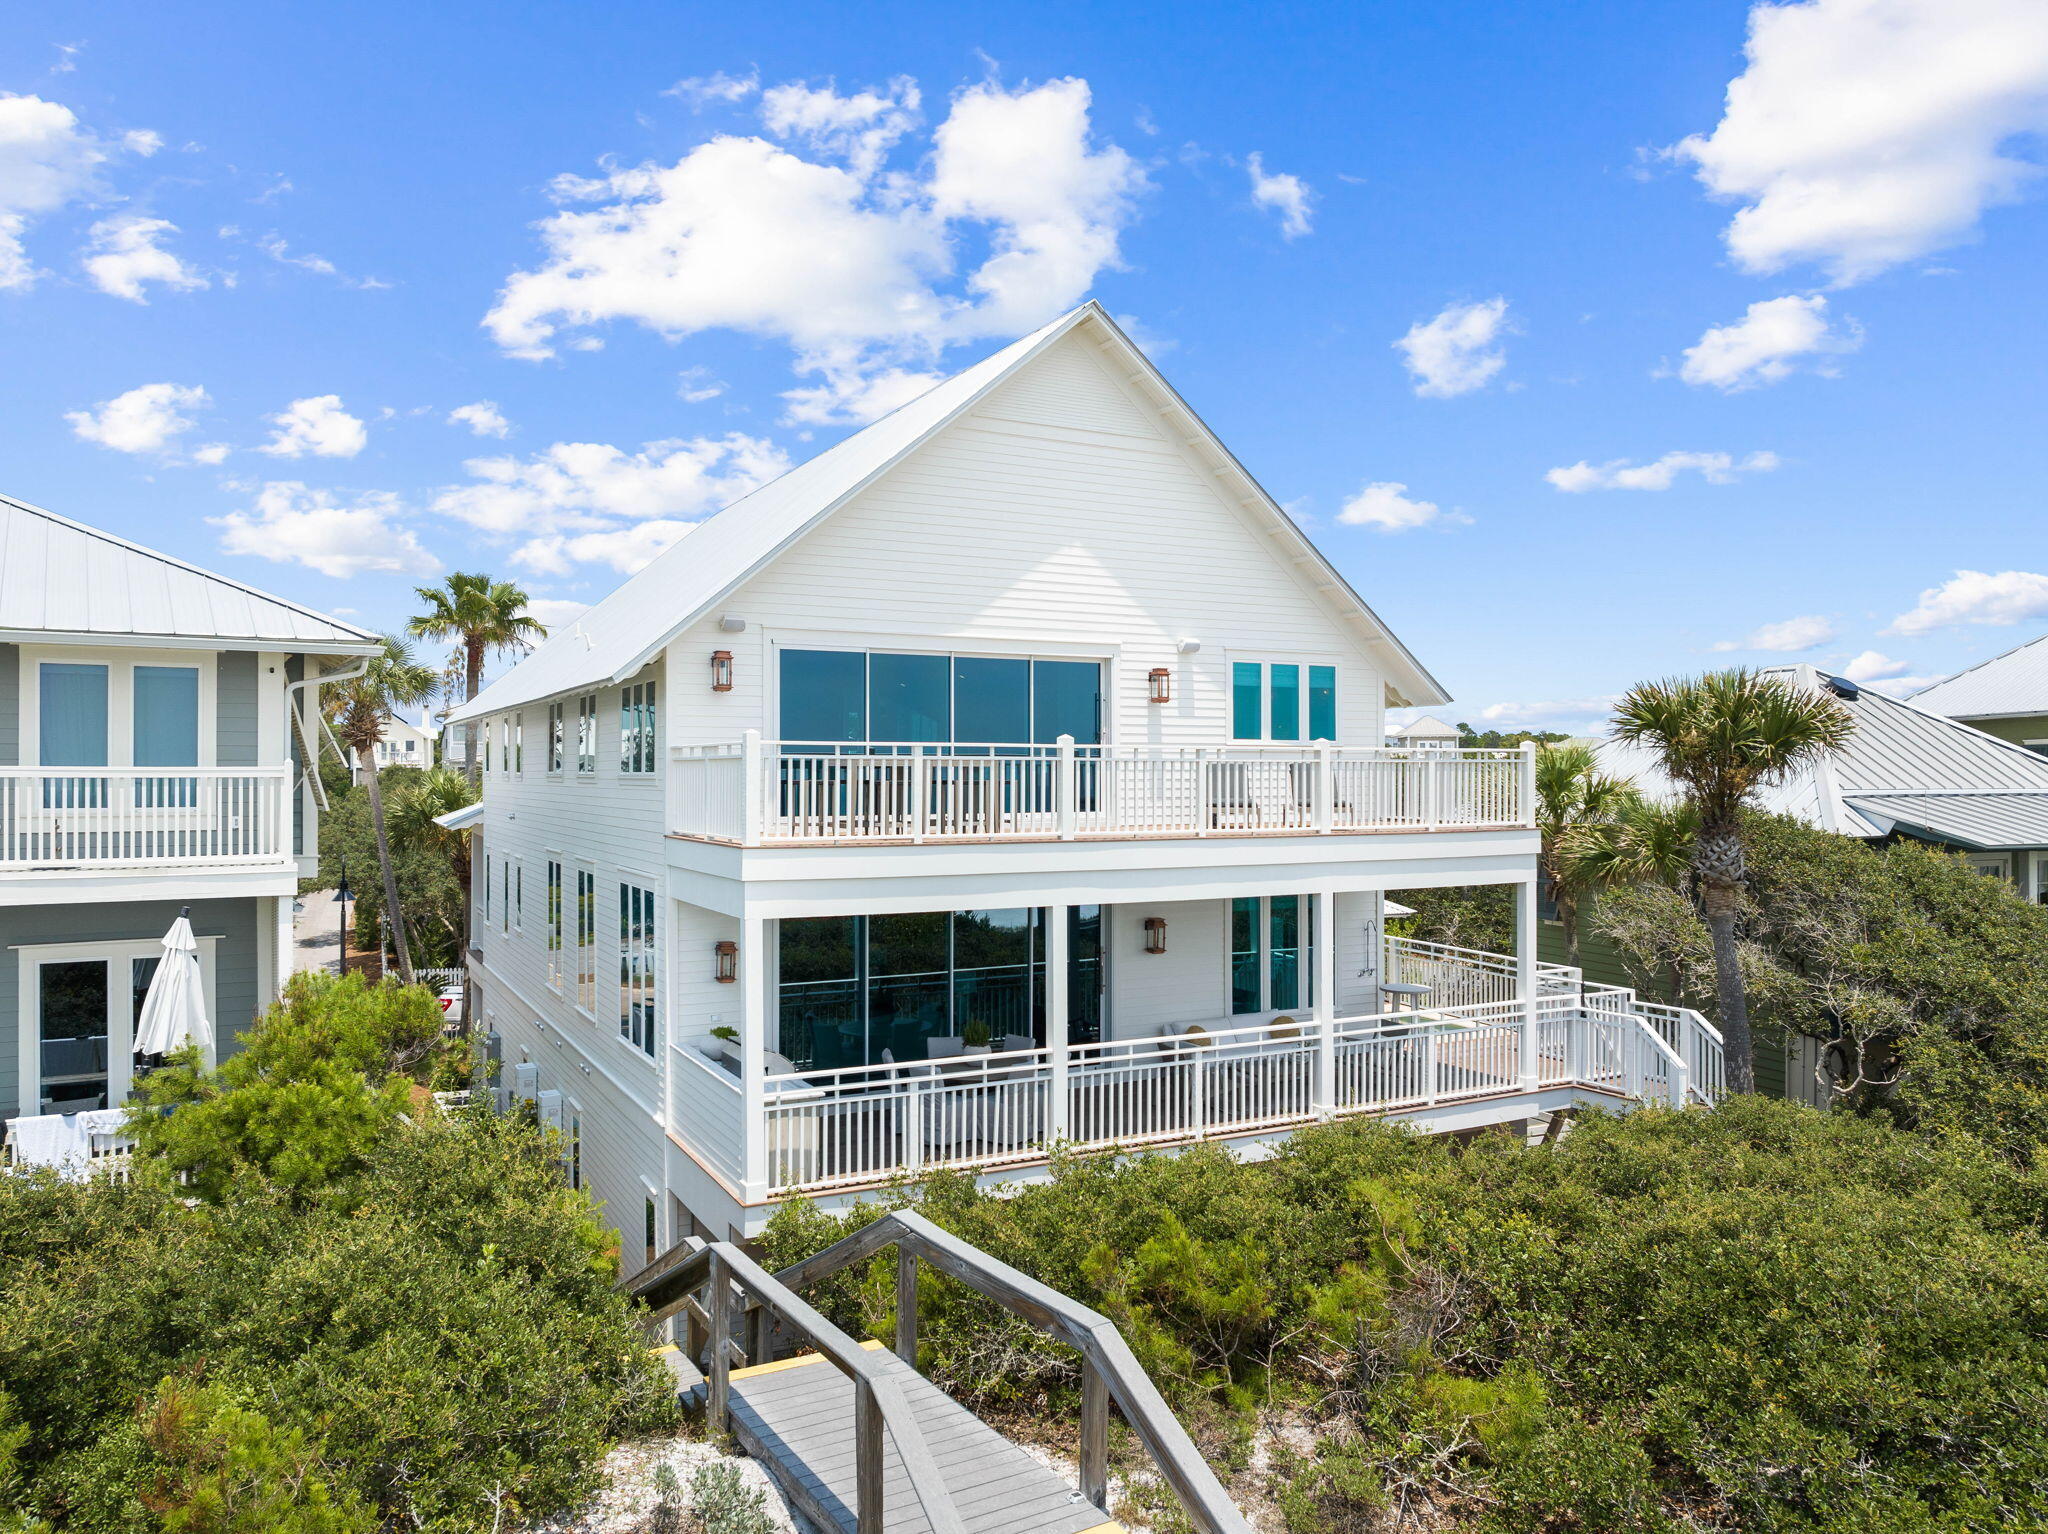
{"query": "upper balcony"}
[(61, 820), (757, 792)]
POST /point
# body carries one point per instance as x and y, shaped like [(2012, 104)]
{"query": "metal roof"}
[(1429, 727), (60, 578), (623, 632), (1953, 776), (2015, 683)]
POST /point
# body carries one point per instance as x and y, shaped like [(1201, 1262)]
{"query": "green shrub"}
[(721, 1502), (1760, 1317)]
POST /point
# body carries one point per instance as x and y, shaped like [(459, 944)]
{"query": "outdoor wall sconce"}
[(1155, 934), (726, 968), (721, 671), (1162, 685)]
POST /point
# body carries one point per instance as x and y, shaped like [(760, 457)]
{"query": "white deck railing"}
[(100, 817), (758, 791)]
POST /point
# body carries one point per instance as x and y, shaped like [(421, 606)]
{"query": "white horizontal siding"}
[(1151, 991)]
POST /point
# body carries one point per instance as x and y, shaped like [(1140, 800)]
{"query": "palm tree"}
[(1720, 738), (415, 812), (484, 616), (1577, 805), (357, 708)]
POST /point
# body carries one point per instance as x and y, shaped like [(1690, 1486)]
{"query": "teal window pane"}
[(1286, 684), (1066, 699), (1247, 716), (166, 716), (1244, 955), (824, 695), (1284, 922), (991, 700), (908, 697), (74, 715), (1322, 703)]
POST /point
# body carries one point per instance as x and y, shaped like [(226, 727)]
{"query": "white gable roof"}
[(1902, 766), (59, 577), (628, 628), (2015, 683), (1429, 727)]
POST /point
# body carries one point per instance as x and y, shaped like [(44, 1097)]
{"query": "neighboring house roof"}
[(60, 578), (627, 629), (1903, 766), (2011, 685), (1429, 727)]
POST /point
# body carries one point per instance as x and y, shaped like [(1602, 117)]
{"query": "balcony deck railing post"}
[(1323, 1003), (1057, 1004), (1325, 787), (1526, 810), (752, 789), (1064, 798)]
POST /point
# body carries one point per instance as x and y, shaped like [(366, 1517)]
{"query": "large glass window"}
[(1271, 959), (833, 697), (74, 1006), (636, 966), (852, 987), (73, 715), (586, 733), (555, 923), (1266, 701), (636, 728), (555, 737), (586, 939)]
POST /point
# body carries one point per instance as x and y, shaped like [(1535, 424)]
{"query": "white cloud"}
[(1874, 666), (696, 385), (273, 246), (851, 395), (1383, 505), (1789, 636), (859, 129), (122, 255), (1864, 133), (1903, 686), (316, 425), (625, 549), (592, 502), (557, 612), (1289, 196), (850, 263), (715, 88), (1768, 343), (292, 524), (1972, 596), (483, 417), (1572, 715), (1620, 474), (146, 419), (211, 452), (1459, 350), (46, 161)]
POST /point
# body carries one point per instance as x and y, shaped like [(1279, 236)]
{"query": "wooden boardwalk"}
[(796, 1417)]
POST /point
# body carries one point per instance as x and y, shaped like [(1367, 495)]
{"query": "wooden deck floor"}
[(796, 1417)]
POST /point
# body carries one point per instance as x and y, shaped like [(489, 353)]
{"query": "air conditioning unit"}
[(526, 1082), (550, 1105)]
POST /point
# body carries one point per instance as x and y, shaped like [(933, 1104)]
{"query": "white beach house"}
[(154, 719), (1010, 774)]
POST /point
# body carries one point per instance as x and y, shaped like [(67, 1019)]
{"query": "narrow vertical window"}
[(1285, 685), (519, 896), (555, 737), (505, 898), (485, 912), (1245, 992), (586, 939), (636, 967), (490, 735), (1247, 701), (519, 742), (1283, 925), (636, 728), (1322, 703), (586, 733), (554, 924), (650, 1232)]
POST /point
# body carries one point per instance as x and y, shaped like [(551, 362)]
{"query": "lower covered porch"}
[(891, 1044)]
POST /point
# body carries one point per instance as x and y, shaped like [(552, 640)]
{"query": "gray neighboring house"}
[(155, 720), (2006, 696), (1909, 771)]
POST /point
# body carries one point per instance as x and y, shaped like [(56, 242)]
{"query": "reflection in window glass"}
[(824, 695), (1322, 703), (908, 698), (1247, 714), (1244, 955), (992, 699), (1284, 926), (1286, 687), (1066, 700), (73, 1055)]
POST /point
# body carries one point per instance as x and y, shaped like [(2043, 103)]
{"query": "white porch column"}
[(287, 945), (1525, 977), (1057, 918), (1323, 983), (753, 1051)]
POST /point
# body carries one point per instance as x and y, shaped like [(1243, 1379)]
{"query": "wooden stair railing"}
[(1109, 1370), (670, 1285)]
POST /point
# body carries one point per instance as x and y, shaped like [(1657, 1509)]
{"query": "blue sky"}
[(254, 258)]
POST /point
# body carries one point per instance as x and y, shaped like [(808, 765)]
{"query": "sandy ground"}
[(628, 1499)]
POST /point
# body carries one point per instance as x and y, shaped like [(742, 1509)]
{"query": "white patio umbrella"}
[(174, 1011)]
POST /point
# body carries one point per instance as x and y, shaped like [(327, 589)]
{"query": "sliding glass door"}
[(884, 698), (1271, 961), (851, 987)]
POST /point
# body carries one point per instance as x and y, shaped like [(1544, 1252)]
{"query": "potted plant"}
[(728, 1043), (974, 1038)]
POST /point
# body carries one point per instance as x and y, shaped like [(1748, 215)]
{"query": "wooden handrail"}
[(669, 1285), (1110, 1369)]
